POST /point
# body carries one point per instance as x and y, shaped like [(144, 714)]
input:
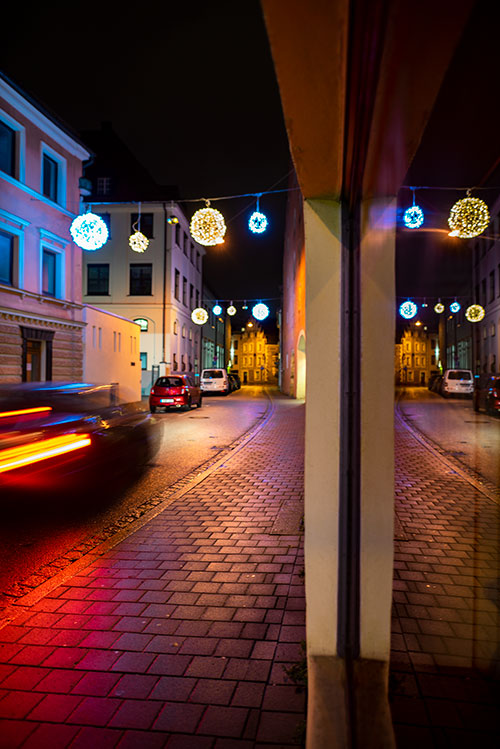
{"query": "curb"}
[(12, 611)]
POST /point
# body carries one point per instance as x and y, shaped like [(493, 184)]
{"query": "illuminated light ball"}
[(231, 310), (217, 309), (439, 308), (474, 313), (455, 307), (138, 242), (413, 217), (89, 231), (468, 218), (260, 311), (207, 227), (408, 310), (257, 222), (199, 316)]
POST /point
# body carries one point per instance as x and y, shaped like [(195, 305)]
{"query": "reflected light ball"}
[(207, 227), (455, 307), (89, 231), (468, 218), (439, 308), (474, 313), (413, 217), (257, 222), (231, 310), (138, 242), (199, 316), (408, 310), (260, 311)]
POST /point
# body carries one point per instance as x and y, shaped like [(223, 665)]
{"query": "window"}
[(235, 345), (197, 298), (7, 149), (184, 290), (143, 323), (178, 234), (50, 177), (147, 224), (492, 286), (198, 260), (176, 325), (144, 359), (6, 258), (98, 279), (48, 273), (176, 284), (103, 185), (483, 291), (183, 331), (141, 275), (191, 295)]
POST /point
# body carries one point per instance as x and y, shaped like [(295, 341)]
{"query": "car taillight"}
[(34, 452), (152, 391)]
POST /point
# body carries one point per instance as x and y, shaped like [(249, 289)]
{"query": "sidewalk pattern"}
[(180, 635), (445, 648)]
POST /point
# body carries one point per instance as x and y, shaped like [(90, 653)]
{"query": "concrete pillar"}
[(338, 689)]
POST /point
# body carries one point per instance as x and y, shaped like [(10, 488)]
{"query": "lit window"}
[(144, 359), (143, 323), (7, 149), (6, 258)]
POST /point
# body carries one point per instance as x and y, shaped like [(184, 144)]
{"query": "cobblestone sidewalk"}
[(179, 636), (445, 661)]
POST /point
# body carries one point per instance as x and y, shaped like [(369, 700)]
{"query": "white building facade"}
[(158, 288)]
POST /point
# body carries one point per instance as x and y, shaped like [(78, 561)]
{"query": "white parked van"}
[(215, 381), (457, 382)]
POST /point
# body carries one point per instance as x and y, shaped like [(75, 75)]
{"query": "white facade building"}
[(157, 288)]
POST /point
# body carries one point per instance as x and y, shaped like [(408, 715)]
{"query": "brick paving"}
[(445, 660), (179, 636)]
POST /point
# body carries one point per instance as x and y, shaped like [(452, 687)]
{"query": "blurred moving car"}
[(457, 382), (486, 393), (175, 391), (59, 435), (215, 381)]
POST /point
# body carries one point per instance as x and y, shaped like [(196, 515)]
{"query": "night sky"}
[(190, 88)]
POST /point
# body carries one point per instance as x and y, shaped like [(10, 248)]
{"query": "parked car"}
[(55, 436), (215, 381), (237, 379), (457, 382), (175, 391), (435, 385), (487, 393)]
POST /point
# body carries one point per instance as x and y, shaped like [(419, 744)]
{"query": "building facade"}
[(41, 321), (252, 357), (157, 288), (417, 355), (293, 335), (214, 333)]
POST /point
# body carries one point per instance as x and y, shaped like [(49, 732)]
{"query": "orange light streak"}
[(21, 412), (16, 457)]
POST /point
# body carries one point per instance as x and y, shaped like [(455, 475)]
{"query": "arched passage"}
[(300, 391)]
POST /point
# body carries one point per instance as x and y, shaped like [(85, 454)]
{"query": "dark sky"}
[(190, 88)]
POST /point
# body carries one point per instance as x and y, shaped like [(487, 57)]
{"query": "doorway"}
[(34, 361)]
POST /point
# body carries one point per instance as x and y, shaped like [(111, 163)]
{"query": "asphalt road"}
[(472, 438), (35, 535)]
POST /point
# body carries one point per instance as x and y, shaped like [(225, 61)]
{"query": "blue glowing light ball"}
[(408, 310), (89, 231), (413, 217), (217, 309), (454, 307), (260, 311), (257, 222)]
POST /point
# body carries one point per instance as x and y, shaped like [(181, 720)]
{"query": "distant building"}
[(41, 311), (417, 356), (214, 333), (252, 357), (158, 288), (293, 324)]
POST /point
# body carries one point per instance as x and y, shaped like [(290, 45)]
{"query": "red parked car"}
[(175, 391)]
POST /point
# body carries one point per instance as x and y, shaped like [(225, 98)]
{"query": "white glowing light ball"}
[(89, 231), (138, 242), (199, 316)]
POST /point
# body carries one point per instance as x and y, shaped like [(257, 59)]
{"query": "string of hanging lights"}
[(408, 309)]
